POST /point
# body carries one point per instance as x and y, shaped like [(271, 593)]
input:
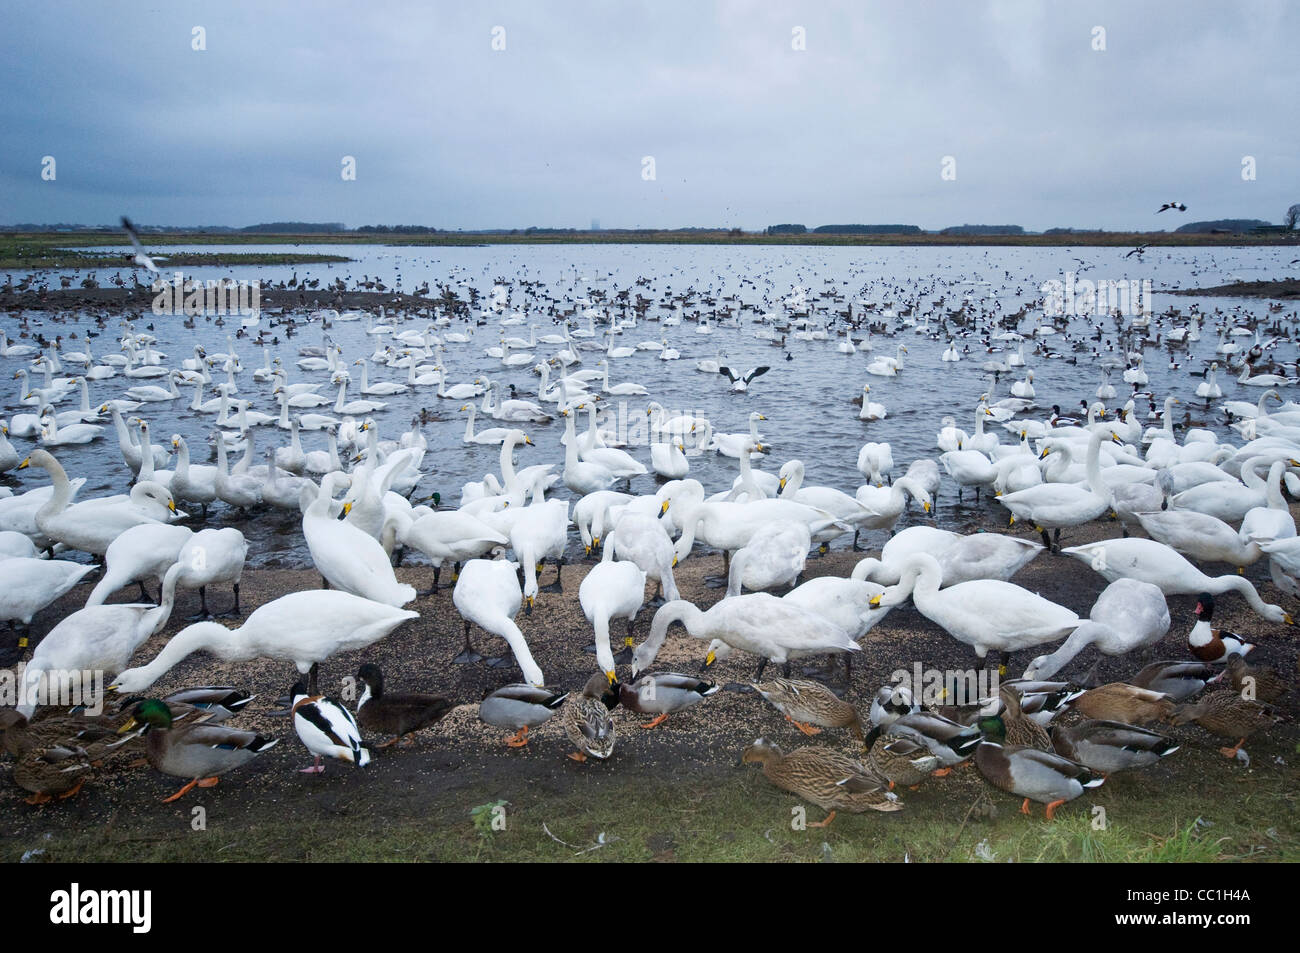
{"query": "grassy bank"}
[(731, 818), (46, 251)]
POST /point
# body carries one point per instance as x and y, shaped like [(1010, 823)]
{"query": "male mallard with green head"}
[(199, 751), (1030, 773)]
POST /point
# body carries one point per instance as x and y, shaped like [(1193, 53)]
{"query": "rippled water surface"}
[(806, 396)]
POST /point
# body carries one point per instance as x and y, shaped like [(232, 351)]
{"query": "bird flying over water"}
[(141, 259), (739, 383), (1177, 206)]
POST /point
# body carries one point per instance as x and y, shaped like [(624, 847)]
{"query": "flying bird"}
[(738, 383), (141, 259), (1138, 251), (1177, 206)]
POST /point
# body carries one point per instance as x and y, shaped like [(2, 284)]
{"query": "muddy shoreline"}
[(697, 747)]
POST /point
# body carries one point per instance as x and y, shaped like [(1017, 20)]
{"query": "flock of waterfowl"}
[(1198, 499)]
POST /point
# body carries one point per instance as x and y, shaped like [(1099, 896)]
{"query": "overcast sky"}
[(744, 130)]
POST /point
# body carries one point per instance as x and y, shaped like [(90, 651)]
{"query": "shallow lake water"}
[(806, 396)]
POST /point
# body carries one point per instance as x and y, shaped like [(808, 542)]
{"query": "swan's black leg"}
[(762, 664), (468, 655), (1047, 540), (312, 673), (144, 593), (437, 571)]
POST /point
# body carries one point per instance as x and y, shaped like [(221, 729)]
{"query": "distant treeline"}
[(1233, 225), (983, 230), (294, 228)]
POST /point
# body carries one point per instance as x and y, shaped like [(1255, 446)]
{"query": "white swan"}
[(1204, 537), (888, 366), (32, 584), (986, 614), (488, 595), (961, 558), (97, 638), (1062, 505), (93, 524), (347, 557), (211, 557), (581, 476), (1128, 615), (451, 535), (759, 623), (192, 483), (871, 410), (1149, 561), (142, 552), (305, 628), (774, 556), (644, 540), (611, 590)]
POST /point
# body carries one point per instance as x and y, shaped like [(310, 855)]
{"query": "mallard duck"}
[(1227, 714), (47, 728), (1209, 644), (661, 695), (199, 751), (50, 772), (327, 729), (807, 703), (1120, 701), (830, 780), (217, 702), (397, 715), (899, 760), (1035, 775), (891, 703), (1259, 682), (1018, 728), (1179, 680), (586, 719), (1110, 746), (1040, 700), (948, 740), (520, 706)]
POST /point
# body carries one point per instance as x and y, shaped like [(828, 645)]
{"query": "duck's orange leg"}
[(182, 792), (825, 823), (1051, 808), (1024, 808), (1232, 752), (803, 726), (656, 722), (72, 791), (519, 738)]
